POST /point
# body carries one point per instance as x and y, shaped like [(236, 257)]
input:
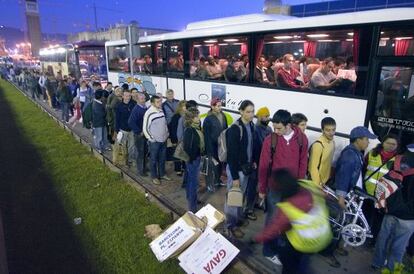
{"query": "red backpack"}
[(391, 182)]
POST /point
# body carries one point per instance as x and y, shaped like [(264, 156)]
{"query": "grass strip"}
[(113, 213)]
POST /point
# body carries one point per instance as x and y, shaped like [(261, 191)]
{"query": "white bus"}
[(81, 59), (373, 53)]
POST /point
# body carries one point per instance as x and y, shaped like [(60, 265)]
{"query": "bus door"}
[(393, 105)]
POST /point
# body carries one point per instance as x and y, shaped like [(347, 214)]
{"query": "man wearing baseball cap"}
[(350, 163), (348, 174)]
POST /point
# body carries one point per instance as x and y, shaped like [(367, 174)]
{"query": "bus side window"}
[(176, 58), (297, 61), (118, 58), (220, 59), (394, 109), (143, 62)]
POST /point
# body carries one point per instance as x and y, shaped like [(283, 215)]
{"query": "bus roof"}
[(199, 29)]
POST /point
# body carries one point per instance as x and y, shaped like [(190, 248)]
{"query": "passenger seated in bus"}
[(158, 69), (138, 65), (313, 65), (201, 70), (243, 66), (349, 63), (262, 75), (147, 66), (233, 73), (174, 65), (270, 64), (288, 76), (213, 69), (323, 78), (339, 63)]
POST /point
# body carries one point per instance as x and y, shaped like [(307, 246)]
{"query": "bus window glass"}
[(396, 42), (318, 61), (143, 62), (176, 59), (92, 62), (159, 58), (222, 59), (394, 109), (118, 58)]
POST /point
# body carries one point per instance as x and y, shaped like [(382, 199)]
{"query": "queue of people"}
[(268, 158)]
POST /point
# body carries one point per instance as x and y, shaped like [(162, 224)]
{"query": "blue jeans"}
[(65, 111), (272, 198), (251, 192), (100, 138), (142, 149), (193, 172), (157, 154), (234, 214), (392, 240)]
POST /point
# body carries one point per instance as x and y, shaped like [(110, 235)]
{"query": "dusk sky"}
[(68, 16)]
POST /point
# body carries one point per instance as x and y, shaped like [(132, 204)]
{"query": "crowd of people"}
[(268, 157)]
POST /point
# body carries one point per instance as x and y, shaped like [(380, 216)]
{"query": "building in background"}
[(276, 7), (116, 32), (33, 26), (332, 7)]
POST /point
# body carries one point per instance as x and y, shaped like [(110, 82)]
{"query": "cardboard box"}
[(211, 253), (177, 237), (213, 216)]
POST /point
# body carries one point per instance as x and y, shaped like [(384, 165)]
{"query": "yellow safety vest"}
[(311, 231), (374, 162)]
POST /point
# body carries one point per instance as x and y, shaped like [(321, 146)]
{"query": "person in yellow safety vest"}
[(302, 223), (378, 162)]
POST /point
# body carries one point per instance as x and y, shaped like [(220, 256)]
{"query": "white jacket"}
[(155, 125)]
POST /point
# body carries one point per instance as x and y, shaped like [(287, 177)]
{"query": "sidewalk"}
[(173, 196)]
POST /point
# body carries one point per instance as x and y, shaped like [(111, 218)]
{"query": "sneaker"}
[(251, 216), (156, 182), (221, 183), (108, 149), (166, 178), (179, 173), (236, 232), (275, 259)]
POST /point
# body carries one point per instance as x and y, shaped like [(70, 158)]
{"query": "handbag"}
[(247, 169), (204, 165), (180, 154), (235, 197)]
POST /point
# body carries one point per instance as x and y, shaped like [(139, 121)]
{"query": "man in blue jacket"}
[(135, 122), (349, 166)]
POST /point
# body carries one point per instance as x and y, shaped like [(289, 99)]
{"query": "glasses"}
[(291, 60)]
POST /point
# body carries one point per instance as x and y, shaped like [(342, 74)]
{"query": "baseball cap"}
[(361, 132), (214, 101)]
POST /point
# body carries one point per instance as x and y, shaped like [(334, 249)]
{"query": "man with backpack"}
[(398, 223), (240, 162), (213, 125), (321, 153), (285, 148)]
